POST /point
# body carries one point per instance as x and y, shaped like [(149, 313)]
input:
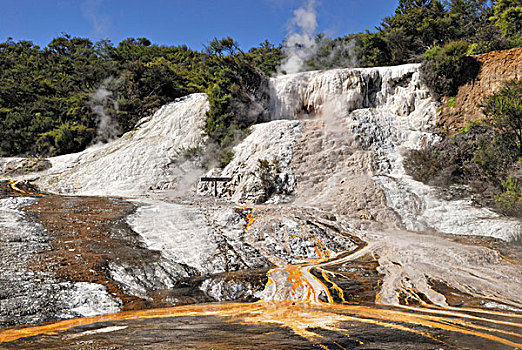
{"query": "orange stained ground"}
[(312, 312), (301, 316), (249, 218), (14, 186)]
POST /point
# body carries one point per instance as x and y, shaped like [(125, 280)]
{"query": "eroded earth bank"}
[(319, 239)]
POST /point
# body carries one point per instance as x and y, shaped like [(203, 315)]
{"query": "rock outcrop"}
[(358, 124), (29, 294), (496, 68), (261, 167), (147, 158), (336, 143)]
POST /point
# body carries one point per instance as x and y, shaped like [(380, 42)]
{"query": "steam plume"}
[(300, 44), (104, 106)]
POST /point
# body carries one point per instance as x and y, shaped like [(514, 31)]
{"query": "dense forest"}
[(73, 92), (52, 99)]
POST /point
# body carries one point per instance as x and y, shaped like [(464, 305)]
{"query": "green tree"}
[(64, 139), (267, 57), (508, 17), (416, 25), (375, 50), (468, 18), (238, 97), (221, 47), (504, 112), (405, 6)]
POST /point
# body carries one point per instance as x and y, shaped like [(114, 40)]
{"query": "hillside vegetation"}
[(63, 97)]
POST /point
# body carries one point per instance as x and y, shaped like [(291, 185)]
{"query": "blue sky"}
[(176, 22)]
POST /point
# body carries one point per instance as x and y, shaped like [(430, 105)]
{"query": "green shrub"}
[(423, 165), (375, 51), (42, 89), (474, 160), (509, 201), (65, 139), (482, 159), (238, 97), (268, 172), (468, 127), (508, 17), (504, 112), (452, 160), (451, 102), (495, 156), (446, 68)]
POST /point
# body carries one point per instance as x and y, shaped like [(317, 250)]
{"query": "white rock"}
[(88, 299), (137, 162), (387, 111), (273, 143)]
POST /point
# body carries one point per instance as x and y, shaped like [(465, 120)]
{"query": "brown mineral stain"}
[(82, 244)]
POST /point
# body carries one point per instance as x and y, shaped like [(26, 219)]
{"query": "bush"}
[(504, 112), (375, 51), (510, 200), (423, 165), (481, 159), (65, 139), (269, 172), (495, 157), (238, 98), (452, 102), (465, 159), (446, 68), (452, 160), (48, 94), (508, 17)]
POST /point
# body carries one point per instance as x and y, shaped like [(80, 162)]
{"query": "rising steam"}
[(104, 106), (300, 44), (303, 44)]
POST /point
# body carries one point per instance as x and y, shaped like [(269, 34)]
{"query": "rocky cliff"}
[(336, 142), (496, 68), (355, 127)]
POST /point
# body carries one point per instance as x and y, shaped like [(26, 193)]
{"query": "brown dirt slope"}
[(496, 68)]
